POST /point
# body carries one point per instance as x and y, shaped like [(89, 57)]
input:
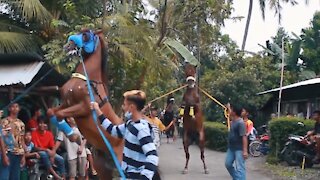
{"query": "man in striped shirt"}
[(140, 158)]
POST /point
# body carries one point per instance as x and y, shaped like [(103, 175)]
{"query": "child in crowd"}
[(29, 151)]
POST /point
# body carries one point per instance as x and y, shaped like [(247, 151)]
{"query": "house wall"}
[(301, 108)]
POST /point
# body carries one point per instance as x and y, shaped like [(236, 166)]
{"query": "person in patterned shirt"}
[(13, 136), (4, 162)]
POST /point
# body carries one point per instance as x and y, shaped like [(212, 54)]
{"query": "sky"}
[(294, 18)]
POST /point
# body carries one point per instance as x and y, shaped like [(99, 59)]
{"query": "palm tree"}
[(274, 5), (247, 26), (25, 21), (15, 34)]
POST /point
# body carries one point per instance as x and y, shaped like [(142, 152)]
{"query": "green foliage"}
[(311, 44), (237, 81), (216, 136), (282, 127), (272, 159)]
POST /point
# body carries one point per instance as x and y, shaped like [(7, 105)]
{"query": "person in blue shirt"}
[(140, 157), (237, 151)]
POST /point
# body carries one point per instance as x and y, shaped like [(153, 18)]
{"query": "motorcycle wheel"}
[(290, 156), (254, 148)]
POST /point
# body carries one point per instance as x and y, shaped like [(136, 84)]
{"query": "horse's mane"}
[(104, 57)]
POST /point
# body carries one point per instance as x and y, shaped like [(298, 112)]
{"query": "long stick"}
[(220, 104), (168, 93)]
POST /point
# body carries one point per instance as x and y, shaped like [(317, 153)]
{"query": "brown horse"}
[(192, 117), (76, 103)]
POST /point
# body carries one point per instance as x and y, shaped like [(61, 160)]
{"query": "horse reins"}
[(95, 118), (94, 87)]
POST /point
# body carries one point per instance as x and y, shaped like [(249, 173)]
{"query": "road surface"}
[(172, 159)]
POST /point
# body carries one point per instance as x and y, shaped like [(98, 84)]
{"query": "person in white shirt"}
[(77, 157)]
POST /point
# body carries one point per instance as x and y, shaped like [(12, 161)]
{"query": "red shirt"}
[(32, 124), (44, 140)]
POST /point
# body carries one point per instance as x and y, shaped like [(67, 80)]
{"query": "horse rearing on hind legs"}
[(76, 101), (192, 117)]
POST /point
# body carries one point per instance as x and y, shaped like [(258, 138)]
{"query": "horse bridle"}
[(94, 85)]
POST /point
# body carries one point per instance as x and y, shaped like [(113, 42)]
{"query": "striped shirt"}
[(140, 158)]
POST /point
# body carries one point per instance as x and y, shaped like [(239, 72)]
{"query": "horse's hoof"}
[(206, 171), (185, 171)]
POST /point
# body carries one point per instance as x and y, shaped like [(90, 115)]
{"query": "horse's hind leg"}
[(186, 150), (100, 161), (201, 146)]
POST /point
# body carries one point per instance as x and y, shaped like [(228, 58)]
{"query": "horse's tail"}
[(157, 175)]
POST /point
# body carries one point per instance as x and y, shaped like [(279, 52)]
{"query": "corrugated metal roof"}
[(19, 73), (302, 83)]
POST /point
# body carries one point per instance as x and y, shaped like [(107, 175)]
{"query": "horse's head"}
[(86, 42), (190, 72)]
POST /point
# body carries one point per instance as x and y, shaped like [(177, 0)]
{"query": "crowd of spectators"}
[(32, 144)]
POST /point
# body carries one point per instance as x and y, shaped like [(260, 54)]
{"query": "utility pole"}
[(199, 52), (281, 78)]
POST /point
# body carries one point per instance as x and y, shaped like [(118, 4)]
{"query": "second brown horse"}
[(192, 117)]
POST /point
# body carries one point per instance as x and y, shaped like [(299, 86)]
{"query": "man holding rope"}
[(140, 158)]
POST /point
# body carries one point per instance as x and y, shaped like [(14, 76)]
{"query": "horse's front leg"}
[(58, 114), (78, 110)]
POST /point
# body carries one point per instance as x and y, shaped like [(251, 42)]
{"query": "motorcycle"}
[(260, 145), (296, 148)]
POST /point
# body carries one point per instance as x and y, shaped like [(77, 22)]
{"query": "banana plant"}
[(291, 57), (182, 50)]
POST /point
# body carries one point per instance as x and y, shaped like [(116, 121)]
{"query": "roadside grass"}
[(282, 172)]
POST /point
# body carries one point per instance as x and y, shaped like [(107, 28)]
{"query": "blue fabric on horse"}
[(77, 39), (61, 125), (88, 46)]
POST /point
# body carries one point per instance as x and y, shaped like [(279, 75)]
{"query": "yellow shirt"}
[(157, 122)]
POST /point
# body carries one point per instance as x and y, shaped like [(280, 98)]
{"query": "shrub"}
[(282, 127), (216, 136)]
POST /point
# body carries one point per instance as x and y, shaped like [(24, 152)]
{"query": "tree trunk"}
[(142, 77), (247, 26), (104, 2), (163, 30)]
